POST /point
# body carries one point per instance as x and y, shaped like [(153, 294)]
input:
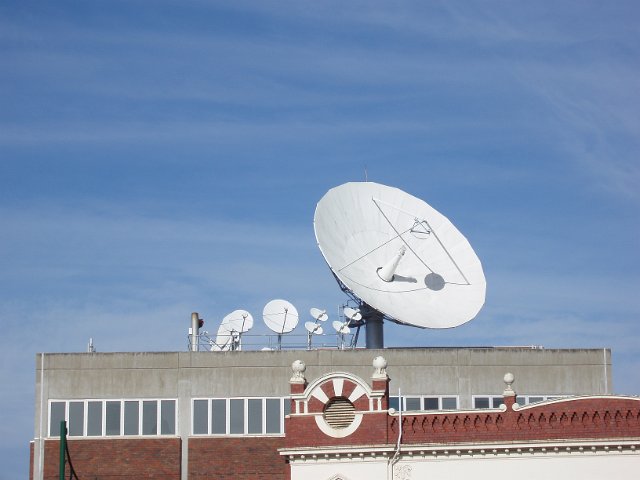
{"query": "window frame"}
[(103, 409), (245, 427), (519, 399), (422, 402)]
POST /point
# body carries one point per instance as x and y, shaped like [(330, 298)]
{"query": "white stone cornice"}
[(425, 451)]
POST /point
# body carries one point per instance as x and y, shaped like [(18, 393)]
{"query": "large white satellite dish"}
[(400, 256), (281, 317)]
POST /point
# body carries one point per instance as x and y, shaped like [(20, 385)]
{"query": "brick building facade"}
[(340, 426)]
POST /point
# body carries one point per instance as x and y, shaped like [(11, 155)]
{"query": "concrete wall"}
[(450, 371)]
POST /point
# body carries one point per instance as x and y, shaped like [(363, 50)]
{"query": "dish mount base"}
[(373, 320)]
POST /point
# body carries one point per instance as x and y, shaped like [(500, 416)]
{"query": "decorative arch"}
[(338, 383), (322, 392)]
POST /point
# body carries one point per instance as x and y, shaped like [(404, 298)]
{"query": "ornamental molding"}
[(452, 451), (314, 389)]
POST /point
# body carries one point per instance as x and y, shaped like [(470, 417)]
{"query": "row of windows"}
[(239, 416), (98, 418), (217, 416), (495, 402), (423, 402)]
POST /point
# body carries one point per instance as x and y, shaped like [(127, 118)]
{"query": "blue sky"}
[(159, 158)]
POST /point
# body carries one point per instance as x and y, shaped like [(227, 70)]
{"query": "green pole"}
[(63, 447)]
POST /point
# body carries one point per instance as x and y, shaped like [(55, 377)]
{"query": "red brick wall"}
[(237, 457), (588, 418), (302, 431), (121, 459)]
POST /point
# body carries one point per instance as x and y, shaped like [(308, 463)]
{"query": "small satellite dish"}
[(313, 328), (320, 315), (280, 316), (341, 328), (398, 256), (352, 314)]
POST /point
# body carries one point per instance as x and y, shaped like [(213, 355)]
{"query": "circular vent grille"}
[(339, 412)]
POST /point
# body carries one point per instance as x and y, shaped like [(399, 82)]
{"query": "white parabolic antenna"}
[(400, 256), (280, 316), (341, 328), (230, 330), (238, 321), (313, 328), (319, 315), (352, 314)]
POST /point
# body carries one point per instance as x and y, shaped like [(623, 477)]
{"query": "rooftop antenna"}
[(230, 332), (353, 319), (398, 258), (313, 328), (281, 317), (342, 329)]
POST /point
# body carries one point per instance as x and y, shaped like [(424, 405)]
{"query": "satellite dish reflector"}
[(280, 316), (399, 255), (341, 328), (223, 341), (352, 314), (313, 328), (318, 314), (230, 331), (238, 321)]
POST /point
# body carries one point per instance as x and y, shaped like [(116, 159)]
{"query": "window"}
[(218, 416), (131, 417), (239, 416), (113, 418), (412, 403), (236, 415), (431, 403), (424, 402), (449, 403), (487, 401), (528, 399), (76, 419), (96, 418), (200, 416), (254, 415), (56, 415), (149, 417), (168, 417), (273, 418)]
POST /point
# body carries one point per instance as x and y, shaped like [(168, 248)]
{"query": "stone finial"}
[(508, 380), (298, 368), (380, 365)]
